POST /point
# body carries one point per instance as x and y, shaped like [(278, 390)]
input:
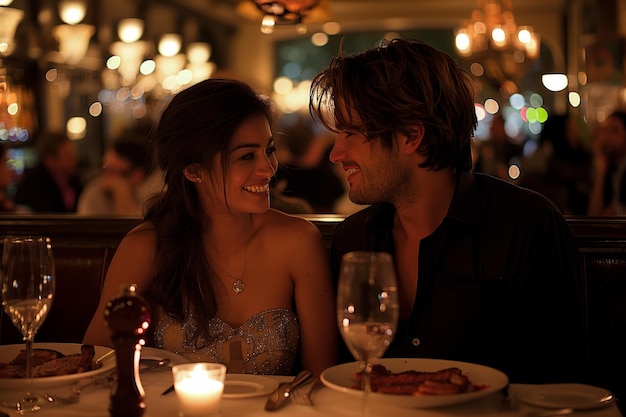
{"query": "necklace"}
[(238, 285)]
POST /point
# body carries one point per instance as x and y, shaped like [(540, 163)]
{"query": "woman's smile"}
[(257, 189)]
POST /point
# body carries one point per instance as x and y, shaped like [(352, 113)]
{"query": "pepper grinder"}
[(128, 317)]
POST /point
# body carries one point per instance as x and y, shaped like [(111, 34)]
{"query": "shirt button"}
[(415, 342)]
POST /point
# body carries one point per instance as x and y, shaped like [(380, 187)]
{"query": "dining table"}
[(94, 400)]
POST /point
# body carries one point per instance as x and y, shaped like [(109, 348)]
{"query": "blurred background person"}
[(564, 169), (53, 184), (125, 183), (570, 162), (6, 203), (306, 172), (494, 155), (608, 192)]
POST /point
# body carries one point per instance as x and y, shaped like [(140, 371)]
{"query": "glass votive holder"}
[(199, 387)]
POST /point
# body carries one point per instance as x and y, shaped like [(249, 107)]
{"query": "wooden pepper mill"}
[(128, 317)]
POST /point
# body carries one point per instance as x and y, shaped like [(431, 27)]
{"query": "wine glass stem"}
[(366, 386), (28, 340)]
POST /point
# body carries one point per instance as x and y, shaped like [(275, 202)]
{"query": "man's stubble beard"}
[(388, 185)]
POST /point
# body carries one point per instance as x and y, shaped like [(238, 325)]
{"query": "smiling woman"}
[(243, 272)]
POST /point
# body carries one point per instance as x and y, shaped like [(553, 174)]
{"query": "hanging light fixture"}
[(72, 12), (491, 39), (130, 49), (284, 12), (198, 55), (130, 30), (73, 36), (10, 18)]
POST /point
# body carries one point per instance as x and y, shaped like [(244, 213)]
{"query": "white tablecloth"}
[(94, 402)]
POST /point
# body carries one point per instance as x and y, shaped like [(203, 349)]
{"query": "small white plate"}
[(9, 352), (342, 378), (246, 386), (575, 396), (154, 353)]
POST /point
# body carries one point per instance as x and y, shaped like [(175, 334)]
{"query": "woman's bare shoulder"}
[(140, 235), (135, 254), (287, 222)]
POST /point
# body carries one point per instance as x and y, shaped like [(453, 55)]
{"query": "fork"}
[(105, 380)]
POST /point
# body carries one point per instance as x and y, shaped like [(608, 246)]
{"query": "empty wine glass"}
[(27, 294), (367, 309)]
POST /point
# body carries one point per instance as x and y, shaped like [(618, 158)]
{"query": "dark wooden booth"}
[(84, 246)]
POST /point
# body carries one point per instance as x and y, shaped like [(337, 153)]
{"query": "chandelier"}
[(496, 46), (284, 12)]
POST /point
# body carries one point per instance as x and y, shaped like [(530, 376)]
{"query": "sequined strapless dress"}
[(265, 344)]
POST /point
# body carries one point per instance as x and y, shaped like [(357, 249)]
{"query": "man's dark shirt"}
[(498, 282)]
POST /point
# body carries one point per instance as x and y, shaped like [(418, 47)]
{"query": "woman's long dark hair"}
[(197, 125)]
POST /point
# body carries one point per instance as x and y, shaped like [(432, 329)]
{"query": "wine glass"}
[(367, 308), (27, 294)]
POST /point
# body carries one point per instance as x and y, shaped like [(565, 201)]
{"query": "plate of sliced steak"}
[(418, 383), (54, 364)]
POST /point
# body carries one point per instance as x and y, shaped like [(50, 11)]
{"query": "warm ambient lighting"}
[(130, 51), (72, 12), (130, 56), (76, 128), (170, 44), (130, 30), (73, 37), (10, 18), (492, 39), (199, 387), (198, 52), (168, 71), (285, 12), (198, 55), (73, 41), (554, 82)]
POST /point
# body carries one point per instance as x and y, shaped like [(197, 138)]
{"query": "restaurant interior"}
[(97, 68)]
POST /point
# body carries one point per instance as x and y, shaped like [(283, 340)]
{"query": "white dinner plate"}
[(342, 378), (9, 352), (246, 386), (575, 396)]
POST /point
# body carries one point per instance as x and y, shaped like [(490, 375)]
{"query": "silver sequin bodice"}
[(265, 344)]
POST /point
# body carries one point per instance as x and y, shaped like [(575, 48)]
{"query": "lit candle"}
[(199, 387)]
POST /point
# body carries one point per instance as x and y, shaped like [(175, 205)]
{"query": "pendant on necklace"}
[(239, 286)]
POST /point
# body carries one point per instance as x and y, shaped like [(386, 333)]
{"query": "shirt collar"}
[(464, 206)]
